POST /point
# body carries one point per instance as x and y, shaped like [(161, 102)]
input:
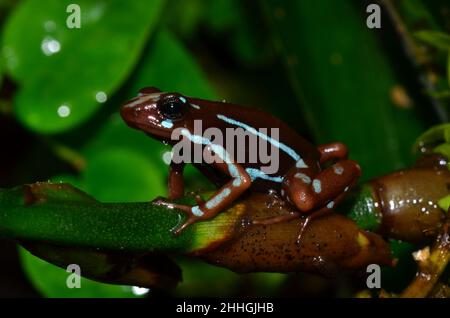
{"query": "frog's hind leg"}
[(322, 191), (319, 213), (309, 192), (317, 193)]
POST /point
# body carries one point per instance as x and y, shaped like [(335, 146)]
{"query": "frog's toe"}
[(190, 220), (171, 205)]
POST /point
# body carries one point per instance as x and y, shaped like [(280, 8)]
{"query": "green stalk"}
[(62, 215)]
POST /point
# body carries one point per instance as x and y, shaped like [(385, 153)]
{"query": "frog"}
[(311, 179)]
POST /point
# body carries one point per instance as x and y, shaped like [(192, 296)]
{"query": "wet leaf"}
[(92, 61)]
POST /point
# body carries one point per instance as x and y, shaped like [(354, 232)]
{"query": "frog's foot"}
[(190, 220), (319, 213), (194, 214), (309, 218)]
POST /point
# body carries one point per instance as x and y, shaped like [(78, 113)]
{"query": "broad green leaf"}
[(119, 175), (170, 67), (434, 38), (50, 280), (344, 80), (66, 74), (114, 133)]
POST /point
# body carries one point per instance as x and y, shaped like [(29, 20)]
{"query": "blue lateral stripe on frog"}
[(216, 200), (276, 143), (253, 173), (256, 173)]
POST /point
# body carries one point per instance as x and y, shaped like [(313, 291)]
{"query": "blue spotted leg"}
[(317, 192), (322, 191)]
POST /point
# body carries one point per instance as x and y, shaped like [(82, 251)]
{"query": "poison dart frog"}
[(311, 179)]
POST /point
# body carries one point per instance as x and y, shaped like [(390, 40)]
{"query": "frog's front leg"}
[(240, 181)]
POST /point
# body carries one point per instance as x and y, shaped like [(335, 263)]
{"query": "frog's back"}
[(269, 143)]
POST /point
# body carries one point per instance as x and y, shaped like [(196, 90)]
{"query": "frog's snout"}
[(129, 114)]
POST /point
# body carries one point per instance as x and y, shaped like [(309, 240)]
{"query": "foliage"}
[(316, 66)]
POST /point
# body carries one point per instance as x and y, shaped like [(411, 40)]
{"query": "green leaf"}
[(437, 39), (346, 78), (50, 280), (434, 136), (170, 67), (444, 203), (443, 149), (92, 62), (114, 133), (120, 175)]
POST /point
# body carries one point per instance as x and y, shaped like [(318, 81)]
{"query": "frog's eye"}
[(172, 107)]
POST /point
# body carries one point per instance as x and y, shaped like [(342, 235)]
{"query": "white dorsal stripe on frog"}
[(256, 173), (299, 161)]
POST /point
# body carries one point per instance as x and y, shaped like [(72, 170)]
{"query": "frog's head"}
[(155, 112)]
